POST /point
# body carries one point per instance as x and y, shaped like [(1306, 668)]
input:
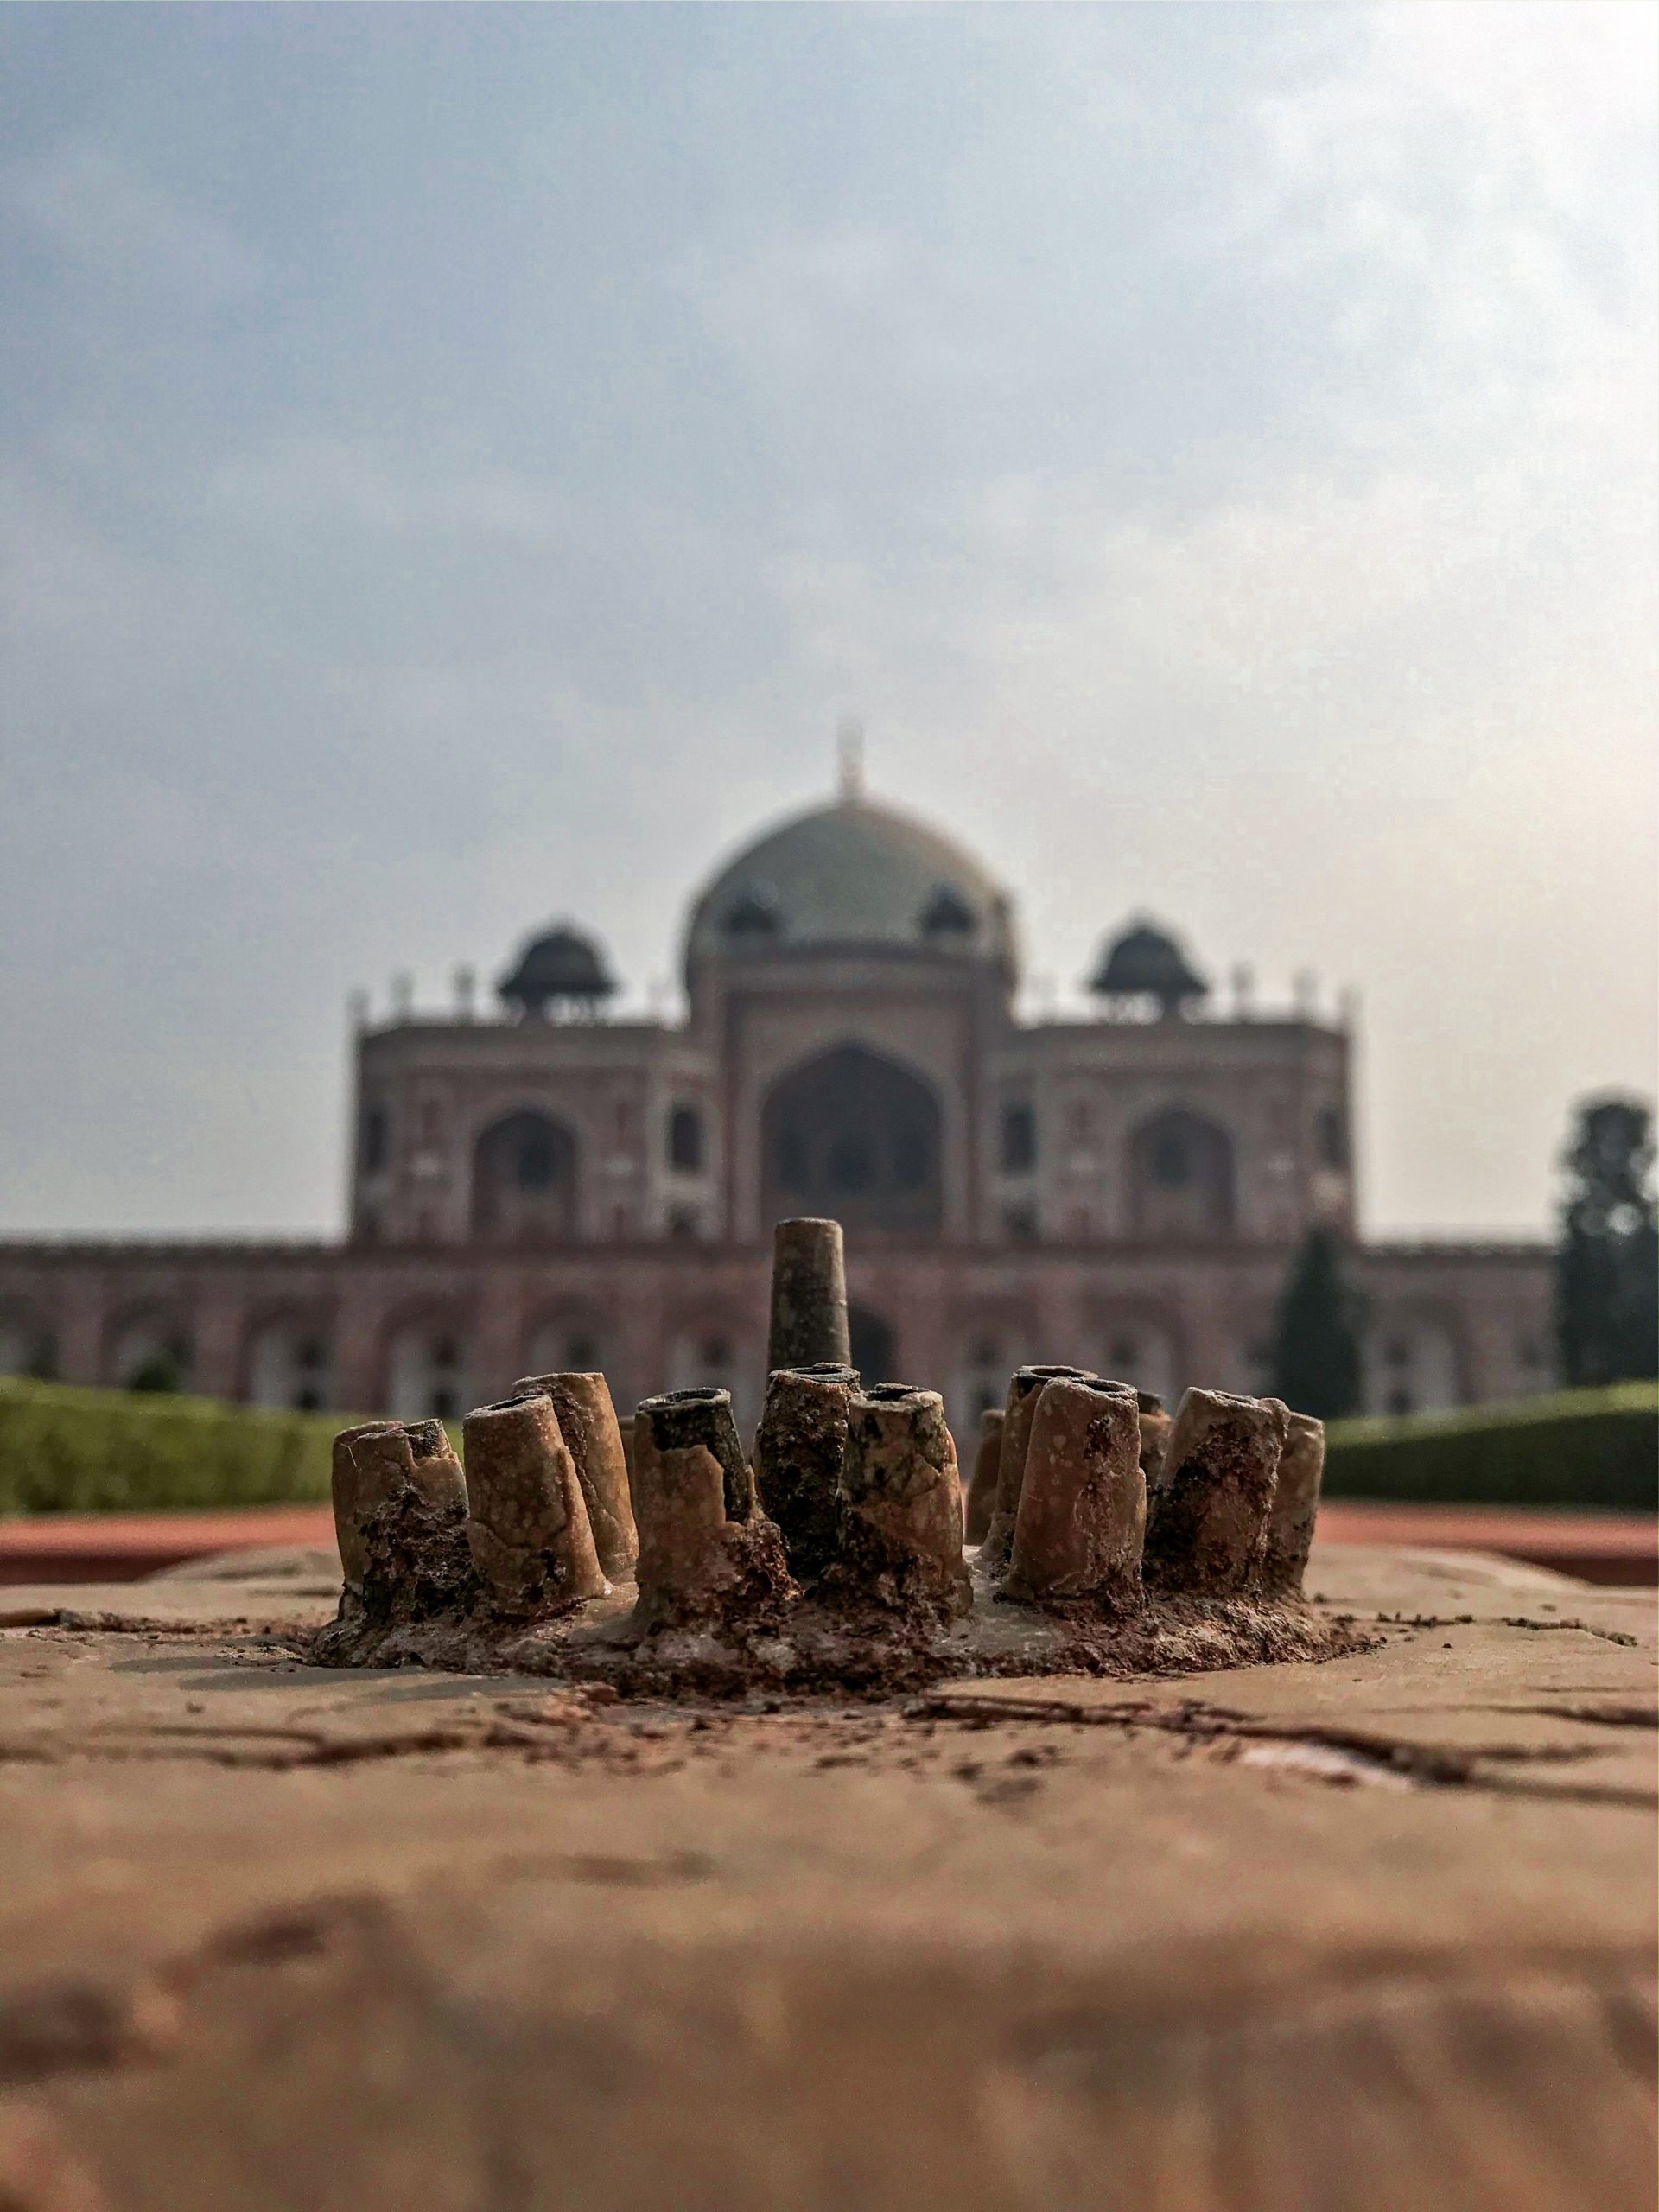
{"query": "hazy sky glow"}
[(457, 464)]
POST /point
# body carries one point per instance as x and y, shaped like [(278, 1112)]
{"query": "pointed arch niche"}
[(852, 1134)]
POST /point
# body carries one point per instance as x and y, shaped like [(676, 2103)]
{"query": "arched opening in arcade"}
[(852, 1134), (27, 1345), (290, 1365), (874, 1348), (428, 1364)]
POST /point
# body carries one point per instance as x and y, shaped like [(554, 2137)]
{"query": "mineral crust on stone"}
[(708, 1556), (1295, 1508), (1207, 1521), (400, 1518), (593, 1436), (369, 1462), (809, 1296), (1023, 1387), (798, 1454), (901, 1547), (527, 1527), (1082, 1516)]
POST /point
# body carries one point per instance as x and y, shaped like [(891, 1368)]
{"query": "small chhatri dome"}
[(753, 912), (946, 914), (1146, 961), (564, 968)]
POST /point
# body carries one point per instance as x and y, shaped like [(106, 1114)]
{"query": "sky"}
[(459, 465)]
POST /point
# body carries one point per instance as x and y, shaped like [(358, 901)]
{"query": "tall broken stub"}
[(1082, 1515), (1023, 1387), (809, 1296), (527, 1522), (798, 1452), (1208, 1519), (901, 1543), (368, 1463), (982, 1486), (593, 1436), (706, 1556), (1295, 1508), (400, 1520)]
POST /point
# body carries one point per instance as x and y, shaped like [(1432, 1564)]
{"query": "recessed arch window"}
[(707, 1353), (1412, 1363), (1140, 1349), (152, 1352), (1181, 1179), (874, 1348), (685, 1140), (289, 1365), (1331, 1138), (981, 1380), (374, 1142), (428, 1373), (578, 1343), (536, 1160), (1169, 1157), (26, 1344), (1018, 1153)]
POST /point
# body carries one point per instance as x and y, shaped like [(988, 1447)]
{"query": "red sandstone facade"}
[(551, 1189)]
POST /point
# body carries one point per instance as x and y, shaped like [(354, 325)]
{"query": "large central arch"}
[(1182, 1178), (852, 1134), (525, 1181)]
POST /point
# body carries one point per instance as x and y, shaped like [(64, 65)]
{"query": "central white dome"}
[(853, 875)]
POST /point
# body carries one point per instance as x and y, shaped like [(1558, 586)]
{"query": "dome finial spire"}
[(850, 754)]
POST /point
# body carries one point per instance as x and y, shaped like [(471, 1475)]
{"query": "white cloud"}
[(1474, 186), (1236, 505), (98, 212), (376, 486)]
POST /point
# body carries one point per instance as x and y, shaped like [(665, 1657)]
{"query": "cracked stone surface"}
[(1369, 1933)]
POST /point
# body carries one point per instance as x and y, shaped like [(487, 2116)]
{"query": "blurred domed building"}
[(554, 1188)]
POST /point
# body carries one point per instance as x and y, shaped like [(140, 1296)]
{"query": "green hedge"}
[(1590, 1448), (69, 1451)]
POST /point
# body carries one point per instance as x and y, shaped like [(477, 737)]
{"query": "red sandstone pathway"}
[(1610, 1547)]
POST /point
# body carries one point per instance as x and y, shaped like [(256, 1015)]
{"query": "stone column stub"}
[(1295, 1508), (1024, 1385), (593, 1436), (1082, 1516), (706, 1556), (527, 1521), (799, 1451), (902, 1548), (1207, 1522), (807, 1324)]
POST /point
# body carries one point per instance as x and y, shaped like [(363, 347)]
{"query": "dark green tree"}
[(1607, 1262), (1316, 1330)]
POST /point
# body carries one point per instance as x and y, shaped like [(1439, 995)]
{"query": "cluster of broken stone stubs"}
[(1086, 1496)]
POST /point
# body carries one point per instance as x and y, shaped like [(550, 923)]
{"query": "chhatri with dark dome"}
[(1145, 962), (562, 968), (562, 1186)]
